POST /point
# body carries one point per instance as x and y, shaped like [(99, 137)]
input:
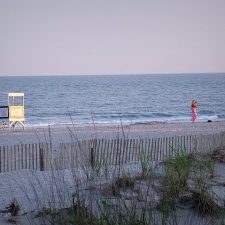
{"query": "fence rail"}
[(42, 156)]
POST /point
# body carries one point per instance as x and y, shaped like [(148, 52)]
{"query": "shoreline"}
[(116, 123), (66, 133)]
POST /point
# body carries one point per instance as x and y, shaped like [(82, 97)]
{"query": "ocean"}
[(55, 100)]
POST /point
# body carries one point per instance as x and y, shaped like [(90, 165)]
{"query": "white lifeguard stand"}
[(16, 109)]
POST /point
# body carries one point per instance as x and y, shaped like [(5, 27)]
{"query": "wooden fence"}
[(43, 156)]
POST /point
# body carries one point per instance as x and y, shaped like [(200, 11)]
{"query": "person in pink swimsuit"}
[(194, 110)]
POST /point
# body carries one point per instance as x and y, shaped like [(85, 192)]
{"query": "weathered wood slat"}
[(4, 159)]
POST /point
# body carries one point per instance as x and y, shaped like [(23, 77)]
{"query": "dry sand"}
[(20, 184), (66, 133)]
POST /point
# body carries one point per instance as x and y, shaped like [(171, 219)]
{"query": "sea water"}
[(53, 100)]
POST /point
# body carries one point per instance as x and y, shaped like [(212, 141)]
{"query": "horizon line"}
[(122, 74)]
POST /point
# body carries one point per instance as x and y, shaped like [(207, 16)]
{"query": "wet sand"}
[(68, 133)]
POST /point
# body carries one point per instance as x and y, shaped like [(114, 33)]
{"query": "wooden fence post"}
[(41, 157), (92, 158), (0, 159)]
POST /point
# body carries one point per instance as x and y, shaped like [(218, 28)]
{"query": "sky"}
[(85, 37)]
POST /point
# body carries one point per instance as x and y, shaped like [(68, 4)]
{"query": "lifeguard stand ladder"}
[(16, 109)]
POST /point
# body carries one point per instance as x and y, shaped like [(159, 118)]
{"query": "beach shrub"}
[(177, 171), (204, 201), (147, 169), (120, 183), (79, 214), (203, 165), (210, 165), (14, 208), (174, 184), (218, 154), (125, 182), (123, 212)]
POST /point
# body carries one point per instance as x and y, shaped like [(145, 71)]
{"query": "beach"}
[(24, 185), (72, 132)]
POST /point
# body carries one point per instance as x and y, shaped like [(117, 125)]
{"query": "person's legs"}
[(194, 116)]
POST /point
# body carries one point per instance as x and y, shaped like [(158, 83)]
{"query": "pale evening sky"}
[(56, 37)]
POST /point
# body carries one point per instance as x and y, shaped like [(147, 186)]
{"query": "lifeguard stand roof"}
[(15, 94)]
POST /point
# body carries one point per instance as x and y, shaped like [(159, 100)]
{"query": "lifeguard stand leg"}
[(13, 124), (23, 125)]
